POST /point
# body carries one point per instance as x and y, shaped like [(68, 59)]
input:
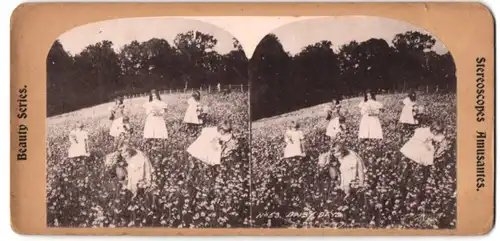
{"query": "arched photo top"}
[(344, 29), (97, 62), (125, 30), (314, 60)]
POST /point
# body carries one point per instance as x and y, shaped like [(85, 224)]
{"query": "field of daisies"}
[(184, 193), (294, 193), (259, 188)]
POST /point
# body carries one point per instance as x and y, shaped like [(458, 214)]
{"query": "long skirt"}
[(419, 152), (155, 128), (116, 127), (370, 128), (205, 149)]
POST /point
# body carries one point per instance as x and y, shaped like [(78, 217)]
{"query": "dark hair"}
[(437, 126), (155, 93), (412, 96), (127, 144), (196, 95), (295, 124), (337, 100), (120, 100), (341, 119), (371, 93), (343, 150), (225, 125)]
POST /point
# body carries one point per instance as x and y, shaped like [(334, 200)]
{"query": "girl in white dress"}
[(352, 168), (126, 135), (336, 123), (117, 113), (213, 144), (138, 169), (206, 147), (426, 145), (155, 127), (408, 113), (294, 141), (369, 126), (421, 147), (78, 139), (193, 112)]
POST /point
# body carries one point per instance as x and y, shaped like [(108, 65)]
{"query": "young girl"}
[(139, 170), (407, 117), (426, 145), (294, 141), (78, 139), (351, 168), (155, 127), (369, 127), (117, 112), (337, 123), (206, 147), (327, 161), (127, 132), (228, 142), (421, 147), (193, 112)]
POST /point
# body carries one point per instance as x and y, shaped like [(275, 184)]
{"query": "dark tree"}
[(270, 78), (317, 74), (99, 73), (60, 87)]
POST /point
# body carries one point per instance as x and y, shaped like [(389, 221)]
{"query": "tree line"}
[(99, 73), (282, 83)]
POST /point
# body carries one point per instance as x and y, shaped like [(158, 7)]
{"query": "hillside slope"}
[(296, 190), (80, 194)]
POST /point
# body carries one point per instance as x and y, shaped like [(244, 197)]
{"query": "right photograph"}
[(353, 126)]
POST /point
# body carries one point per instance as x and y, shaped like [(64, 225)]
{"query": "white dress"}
[(333, 128), (206, 147), (407, 112), (117, 124), (369, 126), (191, 115), (139, 169), (351, 167), (78, 144), (420, 148), (293, 140), (155, 126)]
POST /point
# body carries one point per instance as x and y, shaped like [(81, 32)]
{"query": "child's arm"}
[(148, 171), (381, 107), (442, 146), (112, 115), (73, 138), (288, 138), (361, 171), (302, 146), (406, 101), (86, 140)]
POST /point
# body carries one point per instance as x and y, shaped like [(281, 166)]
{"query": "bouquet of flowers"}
[(202, 112), (157, 112), (112, 116), (418, 112), (373, 112)]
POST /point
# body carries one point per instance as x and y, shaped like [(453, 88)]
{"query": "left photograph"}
[(147, 126)]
